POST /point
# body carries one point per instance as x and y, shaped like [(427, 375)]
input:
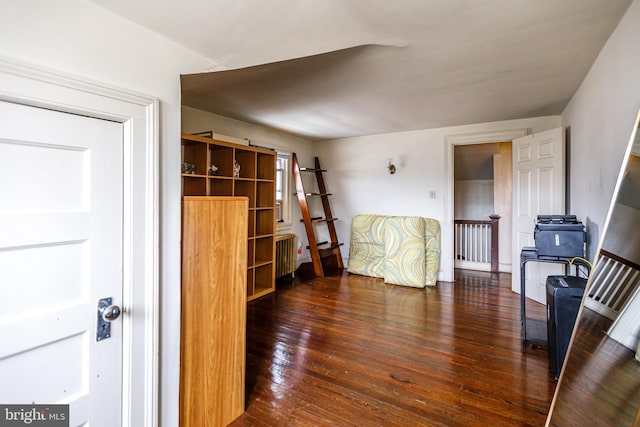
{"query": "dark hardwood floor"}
[(350, 350)]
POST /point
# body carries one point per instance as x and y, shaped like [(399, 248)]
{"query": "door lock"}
[(107, 313)]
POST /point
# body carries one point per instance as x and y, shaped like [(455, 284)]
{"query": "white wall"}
[(600, 118), (79, 38), (358, 177), (473, 199), (194, 120)]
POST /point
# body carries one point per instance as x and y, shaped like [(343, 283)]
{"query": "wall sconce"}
[(391, 167)]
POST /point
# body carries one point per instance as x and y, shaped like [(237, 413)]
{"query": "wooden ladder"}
[(328, 251)]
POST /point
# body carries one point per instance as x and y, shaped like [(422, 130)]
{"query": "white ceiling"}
[(325, 69)]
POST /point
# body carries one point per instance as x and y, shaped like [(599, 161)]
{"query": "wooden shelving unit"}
[(255, 180)]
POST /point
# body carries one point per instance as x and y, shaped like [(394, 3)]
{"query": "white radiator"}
[(285, 255)]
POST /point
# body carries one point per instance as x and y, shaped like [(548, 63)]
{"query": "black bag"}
[(560, 236)]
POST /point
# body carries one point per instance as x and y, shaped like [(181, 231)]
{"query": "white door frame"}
[(446, 259), (36, 86)]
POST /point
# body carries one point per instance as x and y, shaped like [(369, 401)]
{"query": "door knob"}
[(111, 313)]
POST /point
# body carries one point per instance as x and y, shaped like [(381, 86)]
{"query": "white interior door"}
[(61, 250), (538, 189)]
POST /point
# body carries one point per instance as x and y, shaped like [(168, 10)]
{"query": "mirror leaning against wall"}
[(600, 380)]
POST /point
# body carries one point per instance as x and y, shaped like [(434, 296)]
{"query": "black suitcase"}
[(564, 294)]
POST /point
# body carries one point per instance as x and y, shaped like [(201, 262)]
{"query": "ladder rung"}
[(320, 219), (326, 220), (333, 246), (312, 170), (319, 244), (326, 252)]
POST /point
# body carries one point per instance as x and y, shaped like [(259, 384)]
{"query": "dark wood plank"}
[(351, 350)]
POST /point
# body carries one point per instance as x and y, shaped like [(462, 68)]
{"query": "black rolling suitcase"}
[(564, 294)]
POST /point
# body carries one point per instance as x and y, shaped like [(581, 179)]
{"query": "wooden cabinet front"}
[(214, 295)]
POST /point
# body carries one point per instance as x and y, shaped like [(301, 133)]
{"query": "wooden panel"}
[(502, 201), (214, 275), (246, 159), (222, 159), (266, 166), (195, 153), (264, 222), (246, 188), (194, 185), (265, 194)]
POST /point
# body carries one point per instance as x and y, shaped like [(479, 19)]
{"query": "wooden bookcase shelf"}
[(255, 181)]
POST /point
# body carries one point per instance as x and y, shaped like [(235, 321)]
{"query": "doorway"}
[(451, 141), (482, 206)]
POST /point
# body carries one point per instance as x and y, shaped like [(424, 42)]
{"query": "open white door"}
[(538, 189), (61, 250)]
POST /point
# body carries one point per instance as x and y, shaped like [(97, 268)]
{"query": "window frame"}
[(285, 202)]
